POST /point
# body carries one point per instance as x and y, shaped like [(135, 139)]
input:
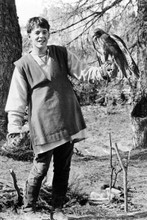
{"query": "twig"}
[(116, 175), (20, 198)]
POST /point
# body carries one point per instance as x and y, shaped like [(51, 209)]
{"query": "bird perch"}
[(125, 169), (111, 166)]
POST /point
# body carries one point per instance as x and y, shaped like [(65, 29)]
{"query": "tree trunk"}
[(10, 51), (139, 113)]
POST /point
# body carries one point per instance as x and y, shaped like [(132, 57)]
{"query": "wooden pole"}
[(111, 166), (125, 190), (124, 168)]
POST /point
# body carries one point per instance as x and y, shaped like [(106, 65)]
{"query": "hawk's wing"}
[(131, 63)]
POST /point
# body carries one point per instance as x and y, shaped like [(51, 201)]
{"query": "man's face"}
[(39, 37)]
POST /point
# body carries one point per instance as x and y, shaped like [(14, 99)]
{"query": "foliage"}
[(76, 21)]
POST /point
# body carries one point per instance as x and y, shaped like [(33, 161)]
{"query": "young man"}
[(40, 81)]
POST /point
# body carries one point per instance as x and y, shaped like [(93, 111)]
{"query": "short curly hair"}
[(37, 21)]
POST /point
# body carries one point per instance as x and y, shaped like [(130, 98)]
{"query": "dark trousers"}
[(61, 161)]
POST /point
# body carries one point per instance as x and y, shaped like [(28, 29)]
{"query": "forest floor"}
[(90, 172)]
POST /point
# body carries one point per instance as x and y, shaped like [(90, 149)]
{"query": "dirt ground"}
[(91, 170)]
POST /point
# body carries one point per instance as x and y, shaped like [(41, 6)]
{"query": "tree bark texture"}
[(139, 113), (10, 51)]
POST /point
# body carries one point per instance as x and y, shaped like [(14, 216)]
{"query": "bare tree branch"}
[(95, 13)]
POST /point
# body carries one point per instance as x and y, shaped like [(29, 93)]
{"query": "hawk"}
[(112, 47)]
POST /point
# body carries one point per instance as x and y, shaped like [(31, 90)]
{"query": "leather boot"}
[(30, 197)]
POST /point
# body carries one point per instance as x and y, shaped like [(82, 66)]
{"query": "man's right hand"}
[(14, 142)]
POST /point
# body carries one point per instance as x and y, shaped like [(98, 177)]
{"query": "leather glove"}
[(14, 142)]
